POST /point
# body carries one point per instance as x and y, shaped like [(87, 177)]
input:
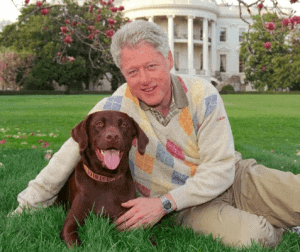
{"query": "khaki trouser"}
[(259, 204)]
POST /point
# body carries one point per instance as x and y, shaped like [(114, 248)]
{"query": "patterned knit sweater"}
[(192, 157)]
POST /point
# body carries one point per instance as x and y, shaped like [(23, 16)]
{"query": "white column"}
[(213, 48), (171, 38), (191, 45), (205, 47), (151, 19)]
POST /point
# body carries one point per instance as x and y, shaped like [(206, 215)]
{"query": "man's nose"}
[(144, 77)]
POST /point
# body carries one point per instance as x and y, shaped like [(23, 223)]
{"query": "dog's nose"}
[(112, 137)]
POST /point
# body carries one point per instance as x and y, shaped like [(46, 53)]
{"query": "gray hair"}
[(133, 34)]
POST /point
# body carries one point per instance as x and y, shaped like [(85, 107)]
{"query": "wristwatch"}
[(166, 204)]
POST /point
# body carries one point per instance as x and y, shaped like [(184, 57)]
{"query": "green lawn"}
[(265, 127)]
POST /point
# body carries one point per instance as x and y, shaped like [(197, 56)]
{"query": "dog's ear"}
[(143, 140), (79, 133)]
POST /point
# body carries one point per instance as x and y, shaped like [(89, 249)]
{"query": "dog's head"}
[(109, 134)]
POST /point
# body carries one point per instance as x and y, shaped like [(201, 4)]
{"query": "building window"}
[(201, 34), (241, 30), (223, 35), (241, 66), (176, 61), (223, 63), (201, 62), (175, 31)]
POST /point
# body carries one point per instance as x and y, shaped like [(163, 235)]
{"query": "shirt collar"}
[(178, 95)]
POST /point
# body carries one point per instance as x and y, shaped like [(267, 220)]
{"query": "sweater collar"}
[(178, 95)]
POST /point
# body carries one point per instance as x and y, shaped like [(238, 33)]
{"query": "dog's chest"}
[(107, 197)]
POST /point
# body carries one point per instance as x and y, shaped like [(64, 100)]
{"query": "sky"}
[(8, 11)]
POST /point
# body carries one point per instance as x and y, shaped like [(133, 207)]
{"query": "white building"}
[(204, 36)]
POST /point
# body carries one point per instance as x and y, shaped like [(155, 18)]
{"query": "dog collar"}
[(98, 177)]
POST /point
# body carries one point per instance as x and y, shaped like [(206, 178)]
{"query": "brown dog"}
[(102, 177)]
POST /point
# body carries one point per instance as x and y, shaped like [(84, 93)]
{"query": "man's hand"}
[(144, 212)]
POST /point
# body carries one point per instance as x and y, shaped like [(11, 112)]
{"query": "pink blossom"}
[(267, 45), (44, 11), (73, 24), (264, 68), (111, 21), (91, 8), (47, 156), (33, 146), (113, 9), (58, 54), (64, 29), (260, 6), (2, 141), (45, 145), (67, 21), (109, 33), (271, 26), (295, 19), (91, 28), (99, 10), (286, 21), (98, 18), (39, 3), (68, 40), (71, 59), (27, 1), (91, 36), (121, 8)]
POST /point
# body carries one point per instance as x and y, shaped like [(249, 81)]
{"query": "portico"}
[(205, 44)]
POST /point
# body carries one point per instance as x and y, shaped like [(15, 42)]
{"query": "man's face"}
[(144, 68)]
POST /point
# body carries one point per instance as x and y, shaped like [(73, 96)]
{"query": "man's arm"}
[(216, 172), (47, 184)]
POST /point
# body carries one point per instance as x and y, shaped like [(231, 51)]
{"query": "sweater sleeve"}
[(216, 171)]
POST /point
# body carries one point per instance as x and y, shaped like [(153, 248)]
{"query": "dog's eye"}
[(124, 125), (99, 124)]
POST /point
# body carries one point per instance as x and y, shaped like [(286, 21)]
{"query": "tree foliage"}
[(276, 67), (40, 35)]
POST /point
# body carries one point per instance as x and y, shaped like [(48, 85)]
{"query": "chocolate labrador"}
[(102, 177)]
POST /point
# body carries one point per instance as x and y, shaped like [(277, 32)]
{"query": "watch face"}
[(167, 205)]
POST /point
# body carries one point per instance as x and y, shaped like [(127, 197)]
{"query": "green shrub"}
[(227, 89)]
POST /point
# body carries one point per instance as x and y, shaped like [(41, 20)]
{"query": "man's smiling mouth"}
[(149, 89)]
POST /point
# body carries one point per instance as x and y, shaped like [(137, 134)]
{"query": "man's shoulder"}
[(197, 81), (120, 90)]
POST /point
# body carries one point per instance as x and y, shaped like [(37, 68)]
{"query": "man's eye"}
[(131, 72)]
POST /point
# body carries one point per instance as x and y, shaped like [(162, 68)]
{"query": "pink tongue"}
[(111, 158)]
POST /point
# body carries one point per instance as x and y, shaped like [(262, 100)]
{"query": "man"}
[(190, 165)]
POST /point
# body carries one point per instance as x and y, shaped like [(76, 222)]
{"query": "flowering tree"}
[(275, 66), (97, 23), (89, 27), (267, 45), (13, 68)]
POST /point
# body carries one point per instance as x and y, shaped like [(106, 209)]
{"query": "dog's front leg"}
[(69, 233)]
